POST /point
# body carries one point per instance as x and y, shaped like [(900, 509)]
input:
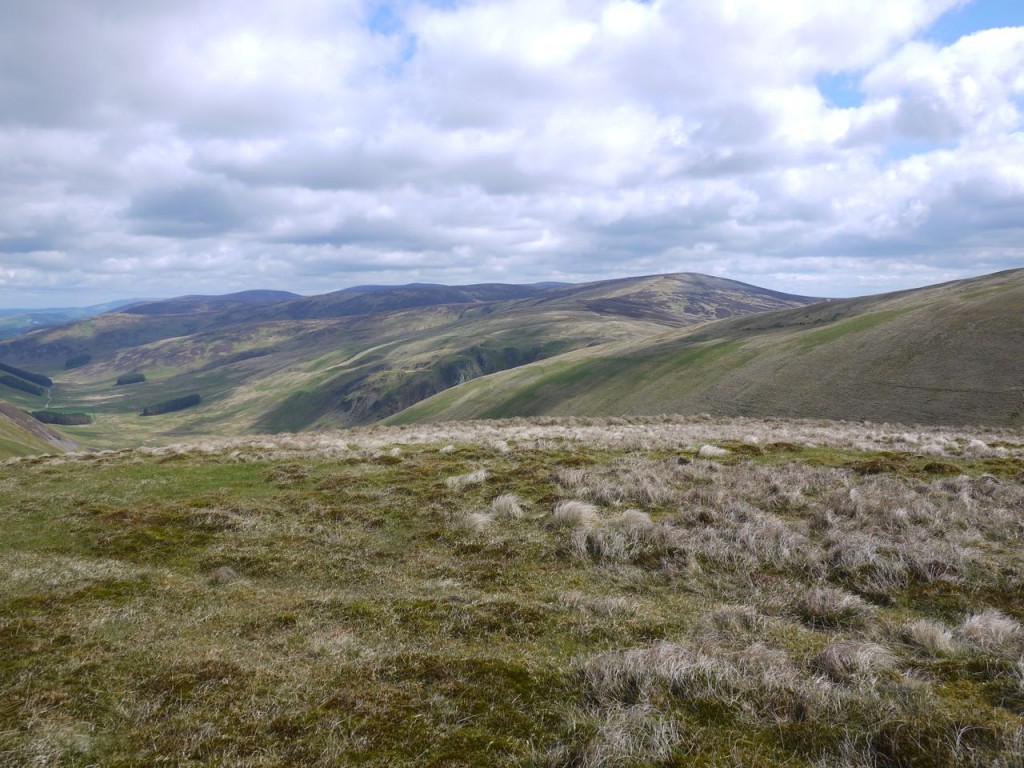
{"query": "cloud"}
[(173, 147)]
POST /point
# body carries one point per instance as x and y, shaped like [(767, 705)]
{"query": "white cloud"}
[(163, 148)]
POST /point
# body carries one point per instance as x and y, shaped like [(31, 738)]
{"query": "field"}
[(623, 592)]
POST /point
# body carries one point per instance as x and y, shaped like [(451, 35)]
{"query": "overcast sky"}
[(823, 147)]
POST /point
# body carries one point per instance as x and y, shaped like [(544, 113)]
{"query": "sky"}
[(820, 147)]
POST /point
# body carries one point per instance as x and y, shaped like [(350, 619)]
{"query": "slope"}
[(191, 304), (21, 435), (288, 374), (946, 354)]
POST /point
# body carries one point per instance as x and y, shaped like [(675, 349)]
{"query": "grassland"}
[(947, 354), (622, 592), (343, 359)]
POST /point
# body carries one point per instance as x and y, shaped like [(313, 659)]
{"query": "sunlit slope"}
[(289, 375), (946, 354), (21, 435)]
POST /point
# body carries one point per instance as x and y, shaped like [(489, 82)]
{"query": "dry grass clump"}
[(612, 606), (853, 661), (476, 521), (574, 514), (829, 608), (758, 682), (932, 637), (224, 575), (629, 537), (633, 481), (507, 506), (734, 620), (990, 630), (712, 452), (620, 736), (470, 478)]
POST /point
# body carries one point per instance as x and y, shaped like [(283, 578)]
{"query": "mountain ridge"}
[(343, 363), (943, 354)]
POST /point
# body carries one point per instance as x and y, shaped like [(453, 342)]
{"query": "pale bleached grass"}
[(931, 637), (612, 606), (475, 477), (476, 521), (574, 514), (733, 620), (26, 570), (620, 736), (712, 452), (990, 630), (507, 506), (853, 661), (830, 608), (639, 433)]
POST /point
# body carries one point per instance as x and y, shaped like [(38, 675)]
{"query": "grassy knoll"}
[(670, 592)]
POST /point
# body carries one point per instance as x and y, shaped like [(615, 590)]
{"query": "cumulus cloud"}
[(168, 147)]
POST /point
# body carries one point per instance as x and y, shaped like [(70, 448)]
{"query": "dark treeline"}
[(238, 357), (62, 419), (25, 386), (35, 378), (77, 361), (130, 378), (174, 404)]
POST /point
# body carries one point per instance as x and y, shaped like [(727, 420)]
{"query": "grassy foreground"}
[(562, 593)]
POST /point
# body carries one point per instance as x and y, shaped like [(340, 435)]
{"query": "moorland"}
[(664, 521)]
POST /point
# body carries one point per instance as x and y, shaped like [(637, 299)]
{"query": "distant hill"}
[(946, 354), (676, 299), (365, 300), (14, 322), (193, 304), (351, 357)]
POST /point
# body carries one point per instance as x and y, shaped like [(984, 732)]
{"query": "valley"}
[(269, 363)]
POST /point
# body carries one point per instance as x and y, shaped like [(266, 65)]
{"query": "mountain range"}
[(272, 361)]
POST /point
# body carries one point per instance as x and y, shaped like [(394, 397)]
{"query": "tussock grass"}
[(574, 514), (369, 598), (829, 608), (508, 506), (991, 630), (932, 637), (475, 477), (853, 661)]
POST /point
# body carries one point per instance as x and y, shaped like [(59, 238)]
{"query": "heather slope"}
[(947, 354), (313, 363)]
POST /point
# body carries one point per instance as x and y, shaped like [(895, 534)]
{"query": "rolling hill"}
[(352, 357), (944, 354), (14, 322), (194, 304)]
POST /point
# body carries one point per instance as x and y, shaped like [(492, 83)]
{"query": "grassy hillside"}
[(628, 593), (948, 354), (287, 375), (21, 435)]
